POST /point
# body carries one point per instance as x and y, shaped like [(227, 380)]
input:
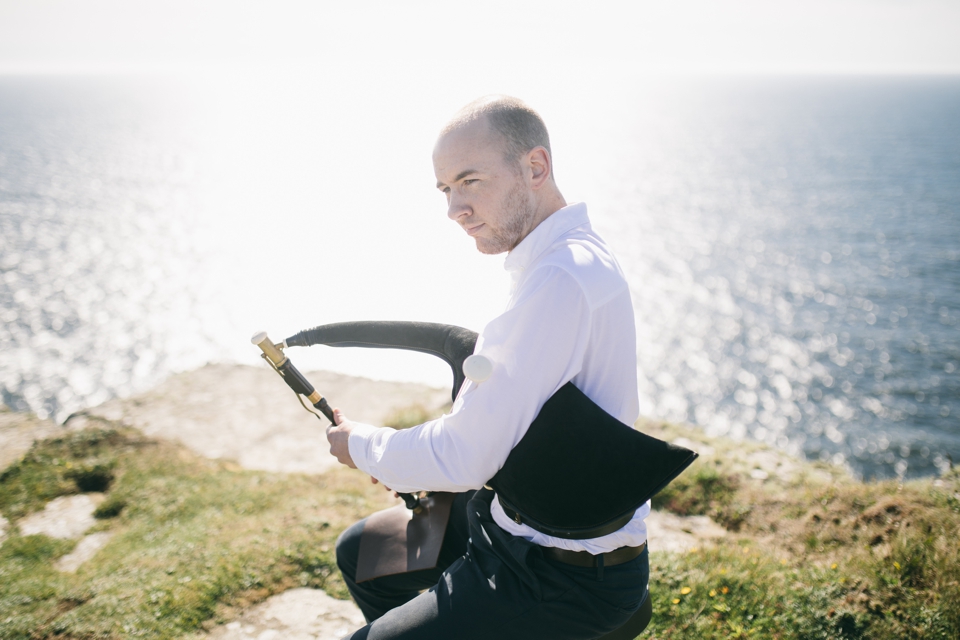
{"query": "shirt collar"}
[(545, 234)]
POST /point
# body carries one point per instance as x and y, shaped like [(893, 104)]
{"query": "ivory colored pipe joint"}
[(270, 350)]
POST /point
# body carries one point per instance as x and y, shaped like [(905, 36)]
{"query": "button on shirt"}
[(569, 318)]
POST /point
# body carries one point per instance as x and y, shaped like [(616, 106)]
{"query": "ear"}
[(538, 167)]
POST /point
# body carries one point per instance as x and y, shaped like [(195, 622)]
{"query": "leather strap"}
[(585, 559), (567, 534)]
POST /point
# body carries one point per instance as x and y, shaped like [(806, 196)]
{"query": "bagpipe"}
[(407, 537), (452, 344), (577, 473)]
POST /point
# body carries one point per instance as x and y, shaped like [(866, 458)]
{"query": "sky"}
[(556, 38)]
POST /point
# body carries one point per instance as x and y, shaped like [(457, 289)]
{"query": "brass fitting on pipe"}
[(270, 350)]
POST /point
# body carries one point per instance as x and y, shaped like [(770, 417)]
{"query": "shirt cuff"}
[(361, 436)]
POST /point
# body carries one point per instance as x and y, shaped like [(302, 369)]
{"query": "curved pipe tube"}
[(450, 343)]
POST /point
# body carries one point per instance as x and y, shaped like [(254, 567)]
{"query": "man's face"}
[(486, 194)]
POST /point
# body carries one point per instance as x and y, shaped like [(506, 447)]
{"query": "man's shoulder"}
[(590, 263)]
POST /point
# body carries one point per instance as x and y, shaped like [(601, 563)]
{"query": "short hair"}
[(520, 127)]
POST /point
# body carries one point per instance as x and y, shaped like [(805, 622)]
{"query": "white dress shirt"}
[(569, 318)]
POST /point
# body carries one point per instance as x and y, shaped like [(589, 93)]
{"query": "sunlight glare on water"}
[(790, 244)]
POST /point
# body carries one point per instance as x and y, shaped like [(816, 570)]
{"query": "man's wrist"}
[(359, 444)]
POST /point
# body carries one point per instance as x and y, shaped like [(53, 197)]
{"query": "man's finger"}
[(338, 417)]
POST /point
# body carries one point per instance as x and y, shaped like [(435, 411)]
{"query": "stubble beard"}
[(518, 211)]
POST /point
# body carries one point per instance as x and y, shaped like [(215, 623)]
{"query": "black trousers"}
[(492, 585)]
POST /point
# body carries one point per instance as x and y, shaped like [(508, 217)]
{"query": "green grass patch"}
[(194, 540), (703, 489), (77, 462), (732, 592), (811, 554)]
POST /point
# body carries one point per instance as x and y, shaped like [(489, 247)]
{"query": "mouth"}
[(474, 230)]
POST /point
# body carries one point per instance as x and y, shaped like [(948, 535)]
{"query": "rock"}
[(670, 532), (249, 415), (298, 614), (18, 431), (64, 517), (84, 550)]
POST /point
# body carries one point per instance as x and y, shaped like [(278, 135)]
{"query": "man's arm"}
[(536, 347)]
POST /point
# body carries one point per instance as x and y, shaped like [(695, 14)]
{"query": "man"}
[(569, 319)]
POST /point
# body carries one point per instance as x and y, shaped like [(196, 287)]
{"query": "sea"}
[(792, 243)]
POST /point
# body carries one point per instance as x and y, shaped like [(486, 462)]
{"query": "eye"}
[(469, 181)]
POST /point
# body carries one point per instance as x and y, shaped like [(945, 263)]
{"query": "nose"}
[(457, 208)]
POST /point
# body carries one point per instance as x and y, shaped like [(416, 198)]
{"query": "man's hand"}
[(338, 436)]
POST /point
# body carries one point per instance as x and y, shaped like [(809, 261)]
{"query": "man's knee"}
[(348, 548)]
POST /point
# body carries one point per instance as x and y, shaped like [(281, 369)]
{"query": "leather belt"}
[(585, 559)]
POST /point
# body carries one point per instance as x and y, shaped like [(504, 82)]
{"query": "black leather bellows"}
[(580, 473)]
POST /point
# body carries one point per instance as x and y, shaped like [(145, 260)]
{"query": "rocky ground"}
[(247, 414)]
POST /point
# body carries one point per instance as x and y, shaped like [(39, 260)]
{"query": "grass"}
[(84, 461), (195, 539), (810, 553)]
